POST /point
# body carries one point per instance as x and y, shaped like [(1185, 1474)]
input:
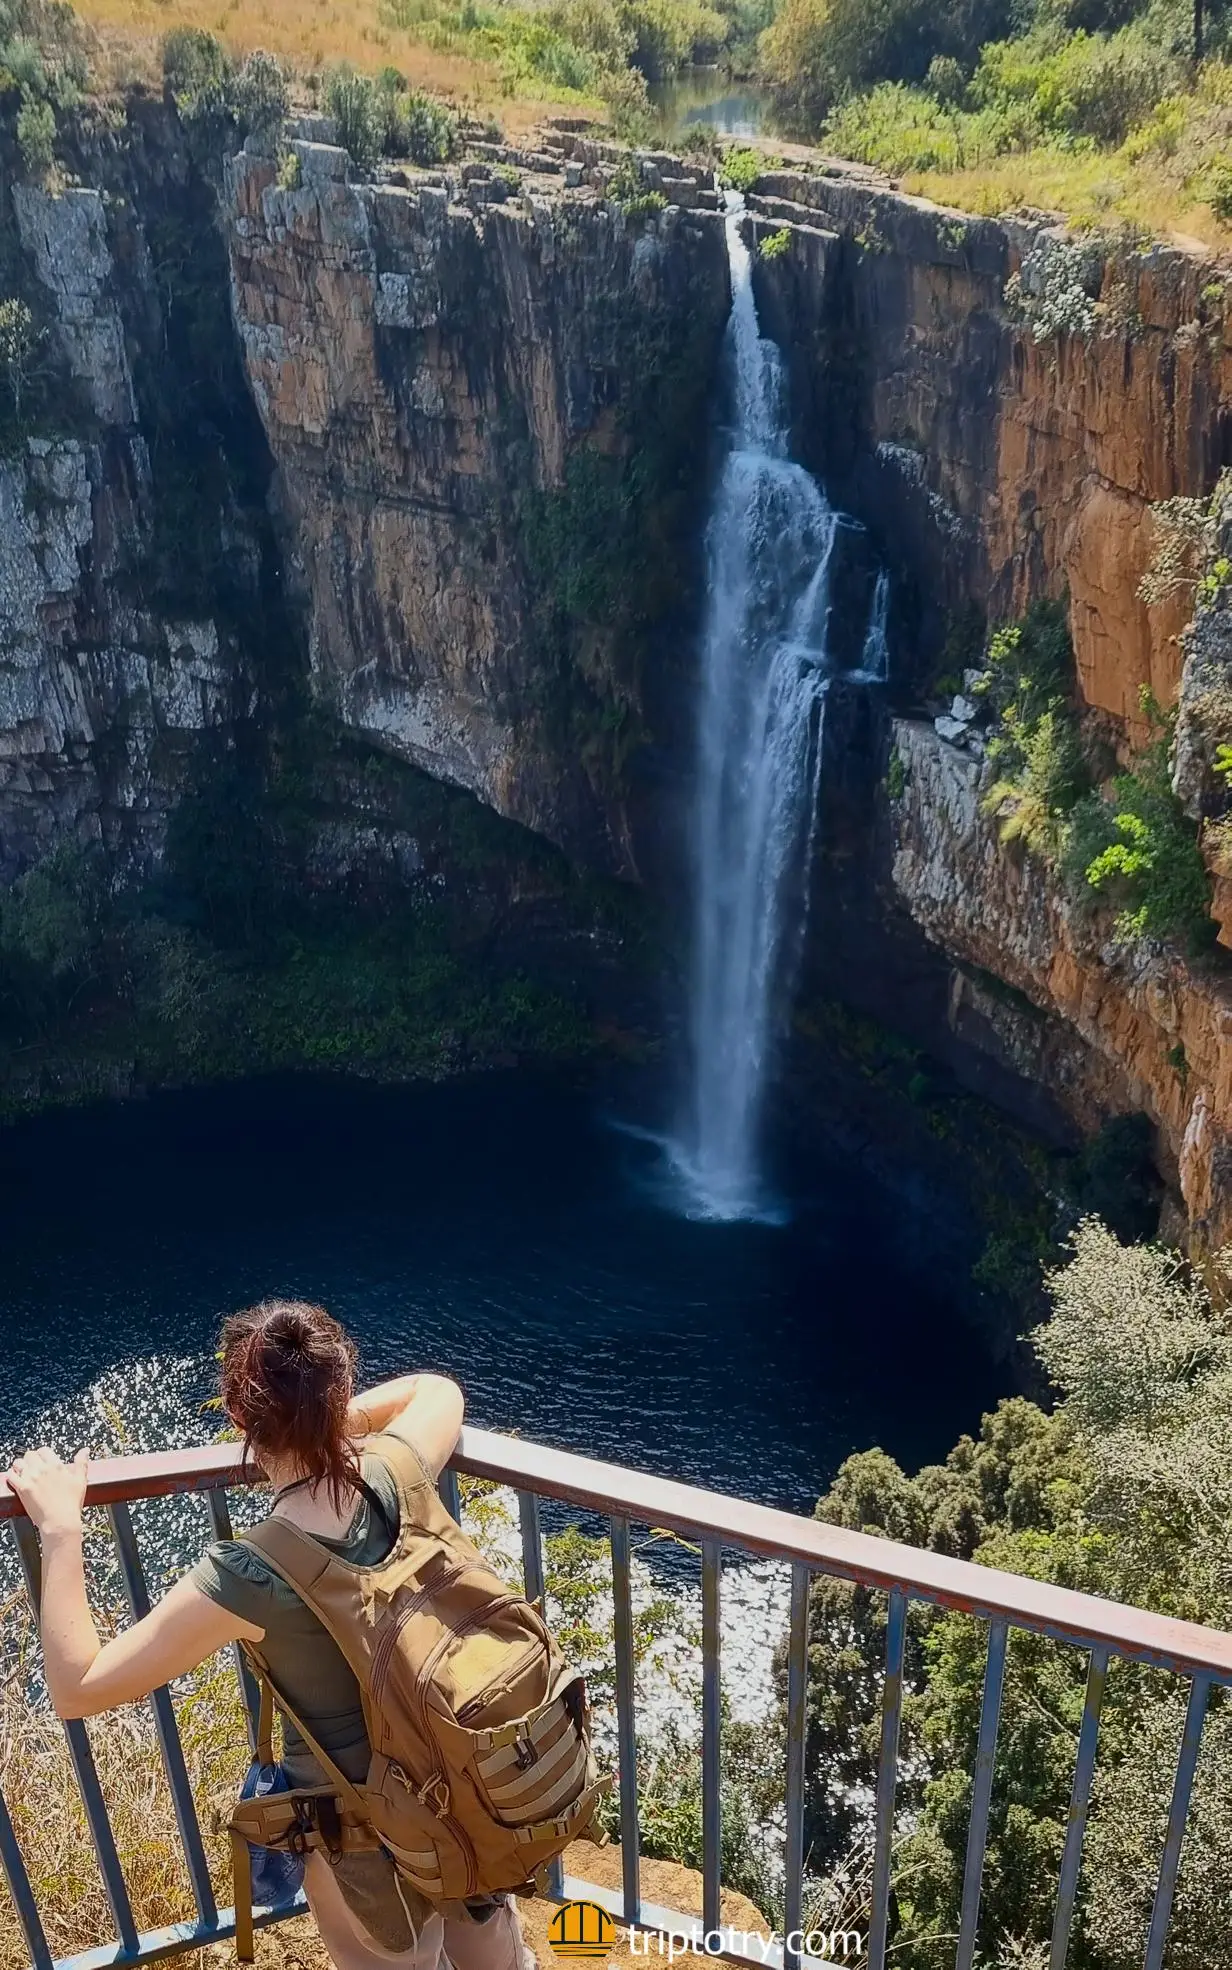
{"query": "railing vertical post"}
[(250, 1695), (981, 1791), (712, 1724), (23, 1894), (536, 1590), (887, 1777), (1178, 1813), (626, 1722), (133, 1575), (797, 1732), (451, 1497), (1080, 1799), (83, 1764), (532, 1549)]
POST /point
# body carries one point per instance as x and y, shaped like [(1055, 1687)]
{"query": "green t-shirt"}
[(304, 1661)]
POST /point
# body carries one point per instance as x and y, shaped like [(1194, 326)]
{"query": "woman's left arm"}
[(85, 1675)]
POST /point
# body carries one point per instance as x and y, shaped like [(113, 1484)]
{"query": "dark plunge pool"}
[(504, 1231)]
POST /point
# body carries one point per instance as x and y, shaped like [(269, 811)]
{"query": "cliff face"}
[(1108, 1028), (106, 678), (463, 384), (1009, 404), (1003, 407), (431, 445), (426, 459)]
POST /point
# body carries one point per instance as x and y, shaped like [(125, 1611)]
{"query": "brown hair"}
[(288, 1374)]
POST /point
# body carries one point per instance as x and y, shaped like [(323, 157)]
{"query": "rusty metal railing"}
[(1103, 1629)]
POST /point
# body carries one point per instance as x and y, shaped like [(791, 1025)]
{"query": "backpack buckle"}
[(524, 1753), (434, 1794)]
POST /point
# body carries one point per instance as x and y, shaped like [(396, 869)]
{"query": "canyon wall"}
[(427, 457), (466, 381), (1003, 406), (433, 445)]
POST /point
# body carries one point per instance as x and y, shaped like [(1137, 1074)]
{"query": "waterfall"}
[(875, 656), (765, 672)]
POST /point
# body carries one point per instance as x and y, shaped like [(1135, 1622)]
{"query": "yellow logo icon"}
[(581, 1929)]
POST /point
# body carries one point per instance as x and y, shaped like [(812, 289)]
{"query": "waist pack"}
[(481, 1769)]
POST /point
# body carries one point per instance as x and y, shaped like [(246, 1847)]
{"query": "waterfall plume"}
[(765, 672)]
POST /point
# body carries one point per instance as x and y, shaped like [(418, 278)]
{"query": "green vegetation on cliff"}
[(612, 555), (337, 910), (1116, 839)]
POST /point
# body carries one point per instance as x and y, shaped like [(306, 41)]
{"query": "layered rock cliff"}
[(425, 458), (484, 402), (1004, 407)]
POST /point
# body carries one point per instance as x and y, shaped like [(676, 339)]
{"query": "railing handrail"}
[(986, 1592)]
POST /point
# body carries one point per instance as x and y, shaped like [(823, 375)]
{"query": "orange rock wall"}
[(1046, 456)]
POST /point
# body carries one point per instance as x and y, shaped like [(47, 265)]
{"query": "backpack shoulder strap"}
[(270, 1690), (408, 1467), (303, 1562)]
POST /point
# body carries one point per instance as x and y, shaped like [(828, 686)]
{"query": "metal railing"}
[(1103, 1629)]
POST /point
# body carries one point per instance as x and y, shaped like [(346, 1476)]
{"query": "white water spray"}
[(765, 671), (875, 656)]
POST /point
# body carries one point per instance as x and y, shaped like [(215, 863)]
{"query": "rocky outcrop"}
[(1108, 1027), (429, 357)]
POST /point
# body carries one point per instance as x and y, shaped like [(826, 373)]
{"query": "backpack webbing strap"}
[(300, 1560), (337, 1778), (570, 1822), (241, 1868), (403, 1460), (265, 1714)]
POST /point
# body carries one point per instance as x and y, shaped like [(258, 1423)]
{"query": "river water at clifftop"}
[(501, 1231)]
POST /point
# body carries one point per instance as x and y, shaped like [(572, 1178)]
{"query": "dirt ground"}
[(294, 1945)]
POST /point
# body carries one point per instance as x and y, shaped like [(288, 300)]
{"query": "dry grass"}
[(37, 1780), (1103, 191), (308, 35)]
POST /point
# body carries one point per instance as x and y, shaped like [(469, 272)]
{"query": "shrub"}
[(196, 71), (54, 914), (1028, 670), (1221, 189), (421, 129), (1148, 862), (1051, 291), (1187, 535), (629, 195), (259, 97), (775, 245), (1088, 85), (700, 141), (19, 341), (359, 109), (36, 135), (946, 81), (1032, 804), (1028, 683), (816, 52), (669, 34), (742, 168)]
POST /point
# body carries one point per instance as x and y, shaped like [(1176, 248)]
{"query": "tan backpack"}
[(481, 1768)]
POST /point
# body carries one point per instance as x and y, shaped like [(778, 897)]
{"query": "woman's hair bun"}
[(288, 1374)]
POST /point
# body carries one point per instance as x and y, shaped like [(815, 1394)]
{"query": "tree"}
[(1126, 1491), (19, 341)]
